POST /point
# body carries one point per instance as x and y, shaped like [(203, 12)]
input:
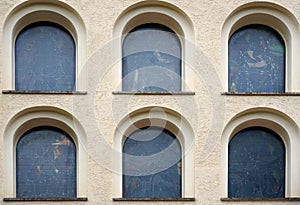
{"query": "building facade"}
[(132, 102)]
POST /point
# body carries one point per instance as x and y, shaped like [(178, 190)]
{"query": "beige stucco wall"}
[(100, 111)]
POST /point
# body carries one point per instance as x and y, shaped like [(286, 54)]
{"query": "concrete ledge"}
[(45, 199), (261, 94), (154, 199), (261, 199), (44, 92), (152, 93)]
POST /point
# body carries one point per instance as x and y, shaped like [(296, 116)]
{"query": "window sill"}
[(261, 94), (45, 199), (152, 93), (261, 199), (44, 92), (153, 199)]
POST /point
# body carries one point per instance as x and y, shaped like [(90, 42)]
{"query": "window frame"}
[(144, 28), (262, 29), (271, 134), (168, 133), (27, 13), (53, 26), (39, 129)]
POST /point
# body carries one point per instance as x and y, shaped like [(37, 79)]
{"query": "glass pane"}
[(45, 58), (151, 164), (256, 164), (256, 60), (46, 164), (151, 59)]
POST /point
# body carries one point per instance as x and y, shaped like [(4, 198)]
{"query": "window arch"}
[(274, 18), (161, 16), (46, 164), (173, 127), (59, 124), (45, 58), (151, 59), (61, 17), (256, 164), (151, 164), (272, 120), (256, 60)]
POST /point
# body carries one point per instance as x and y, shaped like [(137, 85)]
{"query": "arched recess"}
[(275, 17), (34, 117), (157, 117), (279, 123), (161, 13), (30, 12)]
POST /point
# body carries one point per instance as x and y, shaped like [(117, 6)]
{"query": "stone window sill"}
[(45, 199), (152, 93), (44, 92), (261, 199), (154, 199)]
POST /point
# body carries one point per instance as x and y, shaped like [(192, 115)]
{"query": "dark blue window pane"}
[(256, 164), (151, 164), (44, 58), (256, 60), (46, 164), (151, 60)]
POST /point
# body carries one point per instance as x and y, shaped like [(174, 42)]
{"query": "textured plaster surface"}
[(99, 111)]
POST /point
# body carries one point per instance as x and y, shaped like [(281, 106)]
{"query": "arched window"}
[(256, 60), (151, 59), (45, 164), (256, 164), (45, 56), (152, 164)]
